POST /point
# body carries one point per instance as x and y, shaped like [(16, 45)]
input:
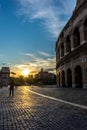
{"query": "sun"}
[(25, 72)]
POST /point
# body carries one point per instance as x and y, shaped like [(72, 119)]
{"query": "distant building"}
[(71, 49), (45, 77), (4, 76)]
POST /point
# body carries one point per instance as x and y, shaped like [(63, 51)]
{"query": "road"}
[(30, 111)]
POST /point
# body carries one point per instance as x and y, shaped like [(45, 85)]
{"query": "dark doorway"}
[(63, 79), (69, 78), (78, 77)]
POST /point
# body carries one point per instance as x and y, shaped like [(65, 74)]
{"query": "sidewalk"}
[(28, 111), (75, 95), (4, 92)]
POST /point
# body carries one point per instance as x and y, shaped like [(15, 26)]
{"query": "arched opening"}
[(85, 29), (69, 78), (62, 50), (68, 44), (76, 36), (61, 35), (78, 77), (58, 54), (63, 79)]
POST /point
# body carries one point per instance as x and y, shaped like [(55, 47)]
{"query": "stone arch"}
[(69, 77), (62, 49), (63, 78), (85, 29), (76, 37), (68, 44), (78, 77)]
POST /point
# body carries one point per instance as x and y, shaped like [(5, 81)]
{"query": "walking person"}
[(11, 93)]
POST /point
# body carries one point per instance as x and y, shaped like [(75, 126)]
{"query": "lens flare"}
[(25, 72)]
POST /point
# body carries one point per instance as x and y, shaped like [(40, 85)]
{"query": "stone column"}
[(60, 79), (65, 52), (82, 35), (86, 76), (72, 42), (60, 53), (73, 76), (66, 77), (57, 77), (84, 73)]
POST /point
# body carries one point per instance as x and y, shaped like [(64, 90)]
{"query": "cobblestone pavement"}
[(27, 111), (75, 95), (3, 93)]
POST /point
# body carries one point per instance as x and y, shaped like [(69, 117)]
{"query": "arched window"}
[(85, 29), (68, 44), (62, 49), (78, 76), (76, 36)]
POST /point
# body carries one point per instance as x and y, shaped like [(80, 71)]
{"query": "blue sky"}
[(29, 30)]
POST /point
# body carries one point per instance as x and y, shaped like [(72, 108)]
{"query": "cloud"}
[(35, 65), (28, 54), (53, 14), (20, 66), (50, 69), (44, 54), (37, 55), (45, 63)]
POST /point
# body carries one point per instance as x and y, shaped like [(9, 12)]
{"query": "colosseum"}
[(71, 49)]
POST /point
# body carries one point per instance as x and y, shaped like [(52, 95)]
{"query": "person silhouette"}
[(11, 88)]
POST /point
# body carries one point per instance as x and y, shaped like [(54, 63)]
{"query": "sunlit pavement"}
[(28, 111)]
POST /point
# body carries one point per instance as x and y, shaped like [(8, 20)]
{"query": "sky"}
[(29, 30)]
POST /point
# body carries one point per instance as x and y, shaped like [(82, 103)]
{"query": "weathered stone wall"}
[(71, 54)]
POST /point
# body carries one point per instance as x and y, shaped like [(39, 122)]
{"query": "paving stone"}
[(27, 111)]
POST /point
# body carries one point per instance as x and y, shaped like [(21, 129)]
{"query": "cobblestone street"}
[(28, 111)]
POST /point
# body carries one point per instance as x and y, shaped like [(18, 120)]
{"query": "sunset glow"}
[(28, 42), (25, 72)]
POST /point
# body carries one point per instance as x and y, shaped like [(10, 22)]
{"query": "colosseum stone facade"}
[(71, 49)]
